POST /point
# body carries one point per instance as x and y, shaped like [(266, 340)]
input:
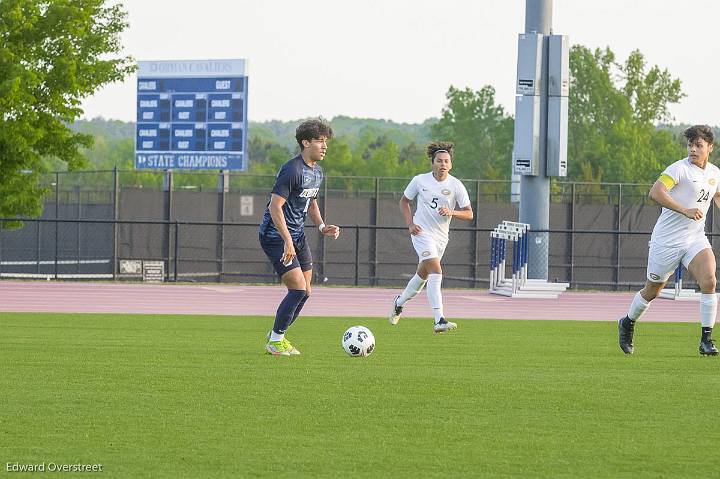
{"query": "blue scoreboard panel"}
[(192, 115)]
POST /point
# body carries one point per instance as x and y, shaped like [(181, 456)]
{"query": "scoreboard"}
[(191, 114)]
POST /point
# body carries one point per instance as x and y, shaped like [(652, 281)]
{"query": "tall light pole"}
[(540, 146)]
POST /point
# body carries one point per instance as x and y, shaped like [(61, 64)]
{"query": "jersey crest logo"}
[(445, 192), (712, 181)]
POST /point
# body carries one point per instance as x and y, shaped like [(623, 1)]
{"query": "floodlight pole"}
[(535, 190)]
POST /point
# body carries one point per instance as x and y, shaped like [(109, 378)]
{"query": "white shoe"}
[(442, 326), (396, 312)]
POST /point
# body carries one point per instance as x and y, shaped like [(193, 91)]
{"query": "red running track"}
[(239, 300)]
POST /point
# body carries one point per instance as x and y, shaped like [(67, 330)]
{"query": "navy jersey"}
[(298, 183)]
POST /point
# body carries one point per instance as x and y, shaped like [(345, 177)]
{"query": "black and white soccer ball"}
[(358, 341)]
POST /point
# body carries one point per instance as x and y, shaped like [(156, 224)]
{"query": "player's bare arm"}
[(278, 217), (407, 214), (316, 217), (461, 214), (659, 194)]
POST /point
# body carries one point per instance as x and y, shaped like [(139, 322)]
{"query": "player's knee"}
[(421, 271), (651, 291), (648, 295), (431, 267), (708, 284)]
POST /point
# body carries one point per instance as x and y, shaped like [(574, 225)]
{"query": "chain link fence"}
[(203, 227)]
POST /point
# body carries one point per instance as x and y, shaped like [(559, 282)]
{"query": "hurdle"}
[(677, 292), (527, 284), (514, 286)]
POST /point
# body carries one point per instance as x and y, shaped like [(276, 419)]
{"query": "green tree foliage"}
[(339, 160), (283, 132), (53, 53), (266, 156), (370, 156), (113, 145), (111, 129), (613, 111), (413, 159), (482, 133), (107, 154), (612, 134)]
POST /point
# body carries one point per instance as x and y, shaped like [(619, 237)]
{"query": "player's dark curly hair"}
[(312, 129), (697, 132), (435, 146)]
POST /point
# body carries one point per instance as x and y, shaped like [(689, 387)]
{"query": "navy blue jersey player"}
[(282, 232)]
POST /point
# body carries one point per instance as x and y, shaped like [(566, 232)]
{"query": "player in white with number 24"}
[(437, 194), (684, 190)]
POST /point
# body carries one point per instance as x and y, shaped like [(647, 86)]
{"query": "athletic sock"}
[(298, 309), (285, 313), (414, 286), (637, 307), (434, 294), (708, 310)]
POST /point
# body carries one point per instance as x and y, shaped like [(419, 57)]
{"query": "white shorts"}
[(428, 247), (663, 261)]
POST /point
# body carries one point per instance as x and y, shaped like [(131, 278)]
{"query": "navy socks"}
[(286, 311), (298, 309)]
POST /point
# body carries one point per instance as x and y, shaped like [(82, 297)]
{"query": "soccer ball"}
[(358, 341)]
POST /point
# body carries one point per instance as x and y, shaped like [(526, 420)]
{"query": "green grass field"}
[(194, 396)]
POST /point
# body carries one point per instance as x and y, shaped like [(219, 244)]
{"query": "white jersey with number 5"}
[(432, 195), (692, 187)]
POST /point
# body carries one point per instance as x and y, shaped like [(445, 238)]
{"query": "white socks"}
[(708, 309), (414, 286), (434, 294), (638, 307)]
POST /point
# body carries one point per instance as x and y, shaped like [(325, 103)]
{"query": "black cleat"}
[(707, 347), (626, 329)]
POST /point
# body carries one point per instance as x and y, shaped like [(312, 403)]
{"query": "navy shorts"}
[(274, 247)]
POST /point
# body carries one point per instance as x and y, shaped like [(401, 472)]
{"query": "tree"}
[(613, 109), (339, 160), (53, 54), (413, 159), (482, 133), (107, 153), (266, 156)]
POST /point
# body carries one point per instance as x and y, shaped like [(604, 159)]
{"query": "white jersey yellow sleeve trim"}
[(692, 187)]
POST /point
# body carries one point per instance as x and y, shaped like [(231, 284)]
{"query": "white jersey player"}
[(439, 197), (684, 190)]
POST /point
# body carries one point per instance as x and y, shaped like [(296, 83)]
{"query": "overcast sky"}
[(395, 59)]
